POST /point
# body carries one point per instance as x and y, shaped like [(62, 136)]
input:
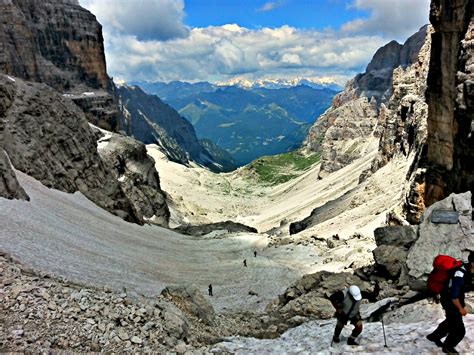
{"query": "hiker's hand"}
[(463, 311)]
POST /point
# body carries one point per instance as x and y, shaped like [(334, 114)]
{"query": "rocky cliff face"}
[(430, 115), (59, 43), (50, 140), (53, 41), (135, 170), (351, 127), (450, 98), (402, 119)]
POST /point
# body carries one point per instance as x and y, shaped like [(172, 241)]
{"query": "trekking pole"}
[(383, 328)]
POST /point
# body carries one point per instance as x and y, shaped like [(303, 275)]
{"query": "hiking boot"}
[(435, 340), (449, 350), (336, 339), (352, 341)]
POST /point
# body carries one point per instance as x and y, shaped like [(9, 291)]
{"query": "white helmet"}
[(355, 292)]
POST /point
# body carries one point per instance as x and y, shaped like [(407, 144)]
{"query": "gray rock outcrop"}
[(203, 229), (135, 170), (190, 300), (405, 254), (50, 140), (9, 186), (439, 238)]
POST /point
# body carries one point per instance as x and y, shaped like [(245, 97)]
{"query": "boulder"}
[(400, 236), (439, 238), (308, 305), (190, 300), (390, 259), (322, 284)]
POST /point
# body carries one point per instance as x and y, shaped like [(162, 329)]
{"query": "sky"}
[(220, 40)]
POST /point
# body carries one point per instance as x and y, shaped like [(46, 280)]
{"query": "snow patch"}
[(104, 141)]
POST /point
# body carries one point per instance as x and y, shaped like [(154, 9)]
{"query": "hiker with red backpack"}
[(450, 279)]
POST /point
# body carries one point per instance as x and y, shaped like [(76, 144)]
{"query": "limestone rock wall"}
[(403, 118), (350, 128), (450, 94), (50, 140), (52, 41)]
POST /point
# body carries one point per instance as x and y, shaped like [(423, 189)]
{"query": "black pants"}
[(342, 321), (452, 326)]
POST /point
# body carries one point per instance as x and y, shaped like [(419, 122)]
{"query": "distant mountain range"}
[(248, 123), (154, 122), (315, 83)]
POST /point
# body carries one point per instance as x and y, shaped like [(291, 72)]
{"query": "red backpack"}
[(443, 266)]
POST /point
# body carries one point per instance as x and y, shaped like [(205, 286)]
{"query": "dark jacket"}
[(456, 287)]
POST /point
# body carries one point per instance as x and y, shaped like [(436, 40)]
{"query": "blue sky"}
[(225, 40), (253, 14)]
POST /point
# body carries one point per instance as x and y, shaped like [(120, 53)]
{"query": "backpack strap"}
[(460, 271)]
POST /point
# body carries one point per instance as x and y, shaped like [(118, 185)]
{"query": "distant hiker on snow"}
[(452, 295), (210, 289), (255, 253), (245, 262), (347, 303)]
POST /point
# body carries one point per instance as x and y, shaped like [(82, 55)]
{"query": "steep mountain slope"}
[(50, 139), (60, 44), (154, 122), (247, 123), (351, 126)]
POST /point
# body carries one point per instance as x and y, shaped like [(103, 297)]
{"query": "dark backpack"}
[(443, 269)]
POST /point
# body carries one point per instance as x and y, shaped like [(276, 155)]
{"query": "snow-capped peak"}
[(278, 83)]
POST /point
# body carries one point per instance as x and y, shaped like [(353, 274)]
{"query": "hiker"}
[(347, 303), (245, 262), (452, 300), (210, 289), (255, 253)]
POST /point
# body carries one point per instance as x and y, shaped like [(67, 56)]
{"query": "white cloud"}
[(269, 6), (145, 19), (225, 51), (395, 19), (147, 40)]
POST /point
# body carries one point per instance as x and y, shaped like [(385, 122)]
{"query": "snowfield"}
[(69, 236), (315, 338)]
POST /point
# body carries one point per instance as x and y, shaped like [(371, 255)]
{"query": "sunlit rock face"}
[(52, 41), (351, 127)]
